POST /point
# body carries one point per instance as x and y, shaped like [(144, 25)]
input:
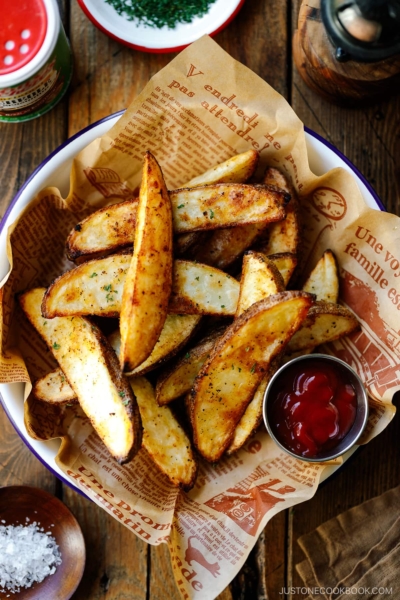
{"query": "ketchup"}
[(314, 408)]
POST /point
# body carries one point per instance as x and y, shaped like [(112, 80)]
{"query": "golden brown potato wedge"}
[(194, 209), (178, 379), (177, 331), (260, 279), (95, 288), (225, 246), (164, 438), (237, 169), (229, 378), (325, 322), (106, 230), (148, 283), (285, 235), (253, 415), (225, 205), (54, 388), (323, 281), (91, 368), (286, 262), (201, 289)]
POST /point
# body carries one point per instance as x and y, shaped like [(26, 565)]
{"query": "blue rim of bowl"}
[(61, 147)]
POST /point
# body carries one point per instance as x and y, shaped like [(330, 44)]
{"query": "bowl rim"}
[(62, 146), (364, 402), (150, 49)]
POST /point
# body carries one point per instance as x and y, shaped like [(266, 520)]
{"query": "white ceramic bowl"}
[(55, 170), (151, 39)]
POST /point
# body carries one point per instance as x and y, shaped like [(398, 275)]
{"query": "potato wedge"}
[(286, 262), (164, 438), (91, 368), (225, 205), (283, 236), (148, 283), (260, 279), (201, 289), (229, 378), (323, 281), (253, 415), (106, 230), (54, 388), (177, 331), (325, 322), (227, 245), (236, 169), (178, 379), (95, 288)]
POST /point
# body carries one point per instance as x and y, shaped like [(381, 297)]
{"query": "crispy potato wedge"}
[(285, 235), (253, 415), (227, 245), (177, 331), (225, 205), (106, 230), (164, 438), (325, 322), (229, 378), (91, 368), (194, 209), (95, 288), (148, 283), (260, 279), (323, 281), (236, 169), (54, 388), (286, 262), (201, 289), (178, 379)]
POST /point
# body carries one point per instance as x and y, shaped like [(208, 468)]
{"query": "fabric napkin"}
[(356, 553)]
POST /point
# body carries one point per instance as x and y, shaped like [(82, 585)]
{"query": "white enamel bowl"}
[(54, 171)]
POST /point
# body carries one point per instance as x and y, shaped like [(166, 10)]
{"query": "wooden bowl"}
[(19, 502)]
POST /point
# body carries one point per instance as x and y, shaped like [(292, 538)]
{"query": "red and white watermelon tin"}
[(35, 59)]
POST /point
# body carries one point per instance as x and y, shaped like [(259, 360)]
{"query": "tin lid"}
[(22, 32), (28, 33)]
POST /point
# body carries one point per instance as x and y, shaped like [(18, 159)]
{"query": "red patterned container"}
[(35, 59)]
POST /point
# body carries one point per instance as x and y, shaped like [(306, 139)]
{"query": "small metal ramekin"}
[(358, 426)]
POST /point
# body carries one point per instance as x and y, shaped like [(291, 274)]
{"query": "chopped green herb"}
[(161, 13), (211, 214), (126, 402), (56, 346), (180, 206), (62, 378), (222, 305), (247, 349), (107, 287), (187, 355), (197, 278), (122, 394), (93, 275), (253, 368)]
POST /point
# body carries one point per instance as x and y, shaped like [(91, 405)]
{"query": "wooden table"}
[(107, 77)]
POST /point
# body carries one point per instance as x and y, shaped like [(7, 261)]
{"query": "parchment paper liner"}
[(199, 110)]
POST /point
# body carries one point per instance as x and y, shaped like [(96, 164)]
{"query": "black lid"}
[(363, 30)]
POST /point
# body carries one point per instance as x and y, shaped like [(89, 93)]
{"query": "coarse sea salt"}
[(27, 555)]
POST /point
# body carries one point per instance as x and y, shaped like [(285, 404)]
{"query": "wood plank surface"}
[(107, 77)]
